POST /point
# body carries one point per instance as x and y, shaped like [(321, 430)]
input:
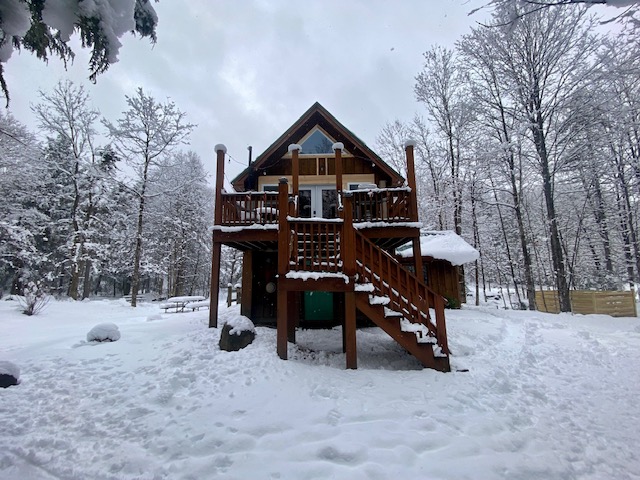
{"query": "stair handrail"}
[(405, 290)]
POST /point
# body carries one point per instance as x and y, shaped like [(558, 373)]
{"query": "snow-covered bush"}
[(9, 374), (34, 299), (104, 332)]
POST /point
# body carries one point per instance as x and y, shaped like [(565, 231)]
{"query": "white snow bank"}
[(220, 146), (294, 146), (442, 245), (546, 397), (8, 368), (337, 146), (410, 142), (240, 324), (104, 332)]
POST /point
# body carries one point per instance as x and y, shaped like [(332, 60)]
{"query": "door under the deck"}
[(318, 306)]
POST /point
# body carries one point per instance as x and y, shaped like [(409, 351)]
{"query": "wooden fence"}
[(615, 304)]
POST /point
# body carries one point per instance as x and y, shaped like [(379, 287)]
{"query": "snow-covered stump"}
[(236, 334), (104, 332), (9, 374)]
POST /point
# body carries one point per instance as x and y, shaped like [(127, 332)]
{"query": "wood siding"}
[(443, 278)]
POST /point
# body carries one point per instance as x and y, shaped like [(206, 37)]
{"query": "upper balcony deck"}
[(249, 220)]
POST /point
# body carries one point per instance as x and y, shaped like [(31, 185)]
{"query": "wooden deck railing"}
[(407, 293), (382, 205), (314, 245), (247, 208), (376, 205)]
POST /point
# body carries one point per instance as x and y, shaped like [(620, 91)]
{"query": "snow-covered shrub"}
[(104, 332), (9, 374), (34, 299)]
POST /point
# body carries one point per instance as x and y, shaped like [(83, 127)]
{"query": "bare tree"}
[(146, 131), (66, 114), (441, 86), (514, 10), (500, 119), (545, 59)]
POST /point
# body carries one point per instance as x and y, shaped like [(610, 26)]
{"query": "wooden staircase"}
[(400, 304), (332, 255)]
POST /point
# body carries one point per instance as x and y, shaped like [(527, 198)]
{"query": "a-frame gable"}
[(315, 116)]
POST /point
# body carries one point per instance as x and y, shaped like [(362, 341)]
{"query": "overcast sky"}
[(244, 71)]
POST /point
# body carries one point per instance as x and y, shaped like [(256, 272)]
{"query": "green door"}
[(318, 305)]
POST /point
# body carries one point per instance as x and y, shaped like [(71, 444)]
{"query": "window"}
[(316, 143)]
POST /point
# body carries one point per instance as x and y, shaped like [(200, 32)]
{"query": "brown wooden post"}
[(337, 148), (348, 244), (411, 180), (229, 294), (295, 170), (221, 150), (283, 268), (348, 251), (441, 326), (292, 315)]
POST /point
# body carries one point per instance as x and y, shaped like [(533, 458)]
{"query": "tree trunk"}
[(135, 279), (86, 285), (557, 256)]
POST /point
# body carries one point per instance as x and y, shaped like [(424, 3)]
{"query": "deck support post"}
[(292, 316), (350, 345), (348, 250), (283, 268), (247, 284), (221, 150), (411, 180)]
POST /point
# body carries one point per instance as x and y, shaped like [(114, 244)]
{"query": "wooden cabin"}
[(443, 253), (318, 217)]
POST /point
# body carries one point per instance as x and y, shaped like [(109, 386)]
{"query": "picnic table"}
[(194, 302)]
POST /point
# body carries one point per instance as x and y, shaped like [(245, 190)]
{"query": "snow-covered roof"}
[(442, 245)]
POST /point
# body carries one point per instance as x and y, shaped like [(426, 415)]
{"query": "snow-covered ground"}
[(545, 397)]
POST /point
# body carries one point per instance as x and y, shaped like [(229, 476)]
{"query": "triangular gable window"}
[(316, 143)]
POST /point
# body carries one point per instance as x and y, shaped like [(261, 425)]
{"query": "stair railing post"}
[(214, 287), (283, 267), (441, 326)]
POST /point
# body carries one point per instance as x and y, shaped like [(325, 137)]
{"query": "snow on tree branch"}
[(517, 9), (44, 27)]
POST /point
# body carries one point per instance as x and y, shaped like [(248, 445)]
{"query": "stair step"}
[(388, 313), (378, 300), (437, 351), (421, 331)]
